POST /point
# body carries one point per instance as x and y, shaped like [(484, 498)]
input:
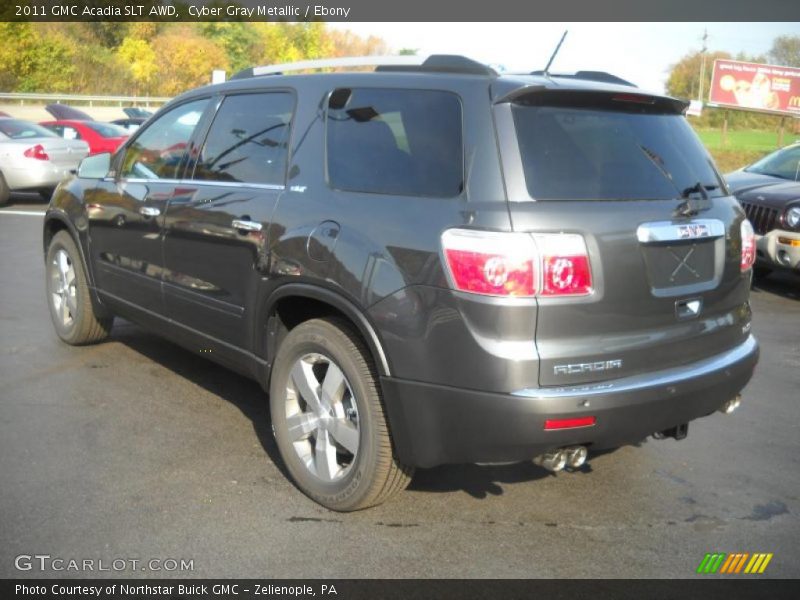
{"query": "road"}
[(136, 449)]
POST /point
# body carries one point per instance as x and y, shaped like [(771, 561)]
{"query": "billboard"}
[(755, 86)]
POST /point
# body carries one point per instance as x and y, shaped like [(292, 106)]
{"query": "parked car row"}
[(34, 159)]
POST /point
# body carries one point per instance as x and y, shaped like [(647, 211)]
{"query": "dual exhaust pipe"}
[(572, 456)]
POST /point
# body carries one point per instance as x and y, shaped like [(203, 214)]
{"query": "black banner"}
[(408, 10), (403, 589)]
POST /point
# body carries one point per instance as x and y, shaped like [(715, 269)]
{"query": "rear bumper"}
[(434, 425), (35, 174), (773, 251)]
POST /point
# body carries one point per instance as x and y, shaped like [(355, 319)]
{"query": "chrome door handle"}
[(247, 225), (149, 211)]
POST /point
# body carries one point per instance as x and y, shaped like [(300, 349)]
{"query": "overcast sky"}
[(639, 52)]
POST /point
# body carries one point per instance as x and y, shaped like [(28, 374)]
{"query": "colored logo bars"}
[(729, 564)]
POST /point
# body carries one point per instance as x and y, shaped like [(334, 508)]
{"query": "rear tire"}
[(760, 273), (68, 295), (329, 421), (46, 194), (5, 192)]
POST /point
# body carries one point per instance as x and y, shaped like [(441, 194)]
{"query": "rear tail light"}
[(517, 264), (748, 245), (36, 152)]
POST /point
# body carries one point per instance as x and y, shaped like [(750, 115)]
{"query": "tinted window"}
[(157, 152), (19, 130), (783, 163), (395, 142), (107, 129), (585, 154), (248, 140)]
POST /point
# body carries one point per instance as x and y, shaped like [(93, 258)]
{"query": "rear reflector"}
[(572, 423), (517, 264), (789, 242)]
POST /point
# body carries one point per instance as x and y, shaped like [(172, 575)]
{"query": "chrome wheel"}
[(63, 292), (322, 417)]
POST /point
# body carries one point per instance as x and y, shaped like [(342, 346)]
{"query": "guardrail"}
[(23, 97)]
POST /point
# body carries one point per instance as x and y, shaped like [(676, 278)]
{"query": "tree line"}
[(157, 59)]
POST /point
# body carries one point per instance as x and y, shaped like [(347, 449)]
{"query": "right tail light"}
[(748, 245), (517, 264)]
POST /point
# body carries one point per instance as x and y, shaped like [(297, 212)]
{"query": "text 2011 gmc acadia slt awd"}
[(423, 264)]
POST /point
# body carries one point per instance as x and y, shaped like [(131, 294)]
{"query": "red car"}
[(101, 137)]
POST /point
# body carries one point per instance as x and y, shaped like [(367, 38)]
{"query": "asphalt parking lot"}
[(136, 449)]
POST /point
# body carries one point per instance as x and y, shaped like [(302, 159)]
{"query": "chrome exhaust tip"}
[(552, 461), (576, 456), (731, 405)]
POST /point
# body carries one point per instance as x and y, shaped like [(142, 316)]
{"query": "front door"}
[(126, 210)]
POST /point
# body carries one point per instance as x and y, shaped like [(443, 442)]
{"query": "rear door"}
[(215, 247), (627, 173)]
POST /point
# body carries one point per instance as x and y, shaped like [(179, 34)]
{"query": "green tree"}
[(785, 51), (239, 40)]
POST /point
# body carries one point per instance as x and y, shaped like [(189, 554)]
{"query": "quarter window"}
[(157, 153), (389, 141), (248, 140)]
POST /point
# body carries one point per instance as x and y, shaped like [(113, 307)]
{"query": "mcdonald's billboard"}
[(755, 86)]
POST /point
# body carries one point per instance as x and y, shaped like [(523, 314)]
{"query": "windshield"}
[(107, 129), (20, 130), (586, 154), (784, 163)]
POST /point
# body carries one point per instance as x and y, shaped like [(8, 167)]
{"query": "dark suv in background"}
[(426, 264)]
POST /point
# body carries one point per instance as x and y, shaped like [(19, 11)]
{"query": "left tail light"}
[(517, 264), (748, 245), (36, 152)]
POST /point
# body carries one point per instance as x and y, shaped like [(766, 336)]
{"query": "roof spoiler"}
[(600, 76), (539, 94)]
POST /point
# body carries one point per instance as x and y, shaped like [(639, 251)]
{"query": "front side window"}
[(157, 153), (249, 140), (393, 141)]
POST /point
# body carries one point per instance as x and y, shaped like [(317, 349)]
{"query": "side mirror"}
[(95, 167)]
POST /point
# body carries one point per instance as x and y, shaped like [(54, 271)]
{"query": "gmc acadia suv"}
[(426, 264)]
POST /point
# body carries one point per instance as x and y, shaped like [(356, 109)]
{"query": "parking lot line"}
[(26, 213)]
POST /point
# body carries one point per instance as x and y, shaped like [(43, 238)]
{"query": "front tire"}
[(68, 295), (329, 421)]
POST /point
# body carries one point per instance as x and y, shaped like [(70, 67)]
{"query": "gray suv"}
[(426, 264)]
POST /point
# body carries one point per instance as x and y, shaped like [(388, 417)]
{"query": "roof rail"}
[(436, 63), (601, 76)]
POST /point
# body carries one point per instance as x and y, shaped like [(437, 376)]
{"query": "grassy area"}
[(742, 146)]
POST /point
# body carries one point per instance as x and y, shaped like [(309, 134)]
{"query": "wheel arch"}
[(294, 303)]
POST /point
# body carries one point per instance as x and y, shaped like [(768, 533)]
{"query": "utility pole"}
[(702, 65)]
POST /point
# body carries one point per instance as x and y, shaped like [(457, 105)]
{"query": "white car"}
[(35, 159)]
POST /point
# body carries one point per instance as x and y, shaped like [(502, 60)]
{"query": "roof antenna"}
[(546, 71)]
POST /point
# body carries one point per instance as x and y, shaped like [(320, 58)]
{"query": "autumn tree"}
[(139, 59), (191, 59)]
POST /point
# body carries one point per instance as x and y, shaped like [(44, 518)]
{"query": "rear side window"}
[(248, 140), (584, 154), (390, 141)]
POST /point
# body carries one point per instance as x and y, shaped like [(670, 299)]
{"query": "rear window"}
[(20, 130), (107, 129), (390, 141), (584, 154)]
